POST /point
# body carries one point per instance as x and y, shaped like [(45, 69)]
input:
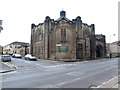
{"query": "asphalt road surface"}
[(57, 74)]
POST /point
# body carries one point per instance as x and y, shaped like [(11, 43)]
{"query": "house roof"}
[(20, 43)]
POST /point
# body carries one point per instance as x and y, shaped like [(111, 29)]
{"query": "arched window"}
[(40, 36), (63, 35)]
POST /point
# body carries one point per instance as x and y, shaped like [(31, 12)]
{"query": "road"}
[(57, 74)]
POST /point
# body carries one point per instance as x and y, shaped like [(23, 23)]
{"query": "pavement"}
[(112, 83), (6, 67)]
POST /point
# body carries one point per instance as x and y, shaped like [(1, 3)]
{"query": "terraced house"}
[(16, 47), (66, 39)]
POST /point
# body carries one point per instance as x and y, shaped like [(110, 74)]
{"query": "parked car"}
[(16, 56), (5, 58), (30, 57)]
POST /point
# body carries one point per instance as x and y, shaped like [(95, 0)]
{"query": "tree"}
[(1, 28)]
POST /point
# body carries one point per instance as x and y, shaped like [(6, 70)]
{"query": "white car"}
[(5, 58), (16, 56), (30, 57)]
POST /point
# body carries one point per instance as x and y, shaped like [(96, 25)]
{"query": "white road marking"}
[(115, 66), (41, 66), (12, 66), (75, 73), (76, 79), (46, 86), (60, 65), (61, 83), (107, 82), (53, 66), (111, 67), (8, 64), (106, 69)]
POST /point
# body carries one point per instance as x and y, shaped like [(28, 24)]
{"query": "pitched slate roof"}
[(20, 43)]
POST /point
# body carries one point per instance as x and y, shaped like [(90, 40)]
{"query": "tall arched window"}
[(40, 36), (63, 35)]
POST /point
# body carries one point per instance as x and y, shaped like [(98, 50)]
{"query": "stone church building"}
[(66, 39)]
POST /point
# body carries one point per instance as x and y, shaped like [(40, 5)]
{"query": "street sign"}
[(58, 45)]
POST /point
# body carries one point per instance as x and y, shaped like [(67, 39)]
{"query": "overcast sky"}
[(18, 15)]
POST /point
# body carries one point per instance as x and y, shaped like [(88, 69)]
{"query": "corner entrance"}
[(99, 51)]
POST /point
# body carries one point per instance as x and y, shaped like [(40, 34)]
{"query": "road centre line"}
[(76, 79), (52, 66)]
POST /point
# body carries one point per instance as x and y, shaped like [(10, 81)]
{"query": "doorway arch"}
[(99, 50)]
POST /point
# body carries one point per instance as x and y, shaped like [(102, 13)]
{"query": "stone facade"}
[(113, 48), (64, 39), (100, 45)]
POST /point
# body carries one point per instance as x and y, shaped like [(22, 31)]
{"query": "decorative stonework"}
[(79, 40)]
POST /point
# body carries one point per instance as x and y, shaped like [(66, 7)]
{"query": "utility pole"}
[(1, 28)]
